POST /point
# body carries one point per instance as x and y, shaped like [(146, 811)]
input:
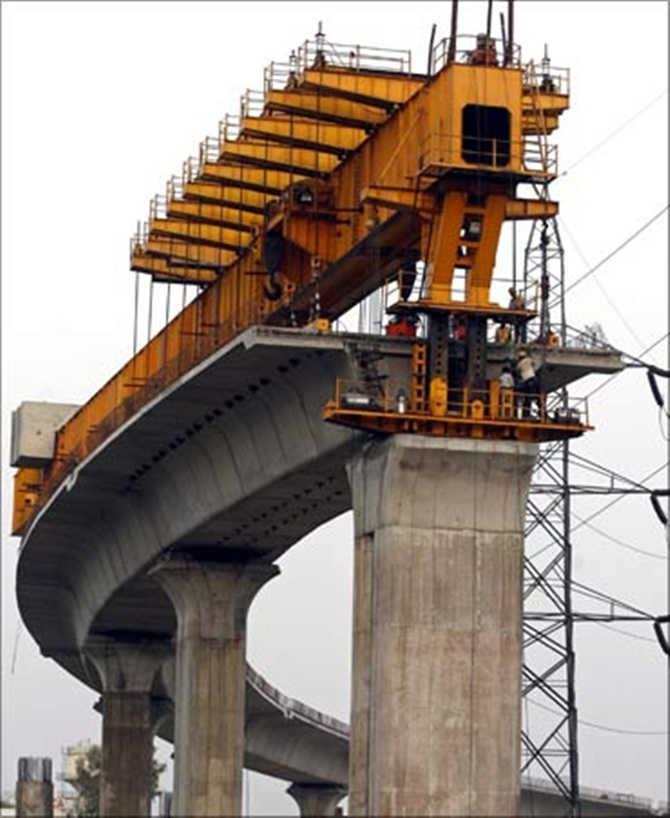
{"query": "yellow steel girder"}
[(379, 90), (254, 178), (329, 109), (308, 133), (235, 218), (180, 250), (200, 233), (251, 201), (268, 155), (161, 269)]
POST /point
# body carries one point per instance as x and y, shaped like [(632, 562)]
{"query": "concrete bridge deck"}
[(232, 460)]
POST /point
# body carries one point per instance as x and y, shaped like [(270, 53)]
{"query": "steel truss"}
[(550, 748), (548, 674)]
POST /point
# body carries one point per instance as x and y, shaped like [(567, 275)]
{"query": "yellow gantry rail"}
[(351, 164)]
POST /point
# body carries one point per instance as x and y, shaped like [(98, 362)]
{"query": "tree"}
[(87, 781)]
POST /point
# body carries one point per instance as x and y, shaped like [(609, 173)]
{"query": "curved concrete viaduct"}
[(228, 467)]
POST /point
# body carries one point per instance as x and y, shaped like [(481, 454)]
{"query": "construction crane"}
[(351, 173)]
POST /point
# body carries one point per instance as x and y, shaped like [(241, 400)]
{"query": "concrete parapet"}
[(437, 626), (127, 671), (316, 799), (211, 600), (34, 788)]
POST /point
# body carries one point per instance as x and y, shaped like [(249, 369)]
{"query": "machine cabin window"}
[(486, 135)]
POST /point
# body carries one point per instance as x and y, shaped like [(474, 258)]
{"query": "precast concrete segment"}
[(211, 601), (127, 671), (436, 671), (316, 799)]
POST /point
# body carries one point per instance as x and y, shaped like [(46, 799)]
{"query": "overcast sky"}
[(101, 102)]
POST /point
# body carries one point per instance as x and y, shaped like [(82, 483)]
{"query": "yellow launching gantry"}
[(475, 132), (350, 173)]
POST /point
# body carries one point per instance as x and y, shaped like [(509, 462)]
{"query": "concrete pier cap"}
[(438, 566), (317, 799), (211, 600)]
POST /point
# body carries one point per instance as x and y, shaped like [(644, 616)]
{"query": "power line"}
[(616, 500), (607, 728), (632, 357), (626, 633), (621, 543), (599, 511), (612, 253), (602, 289), (613, 133)]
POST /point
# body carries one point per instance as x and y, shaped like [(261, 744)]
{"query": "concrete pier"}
[(127, 671), (435, 723), (316, 799), (211, 600), (34, 788)]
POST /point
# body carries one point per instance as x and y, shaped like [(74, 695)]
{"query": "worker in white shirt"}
[(528, 385), (506, 381)]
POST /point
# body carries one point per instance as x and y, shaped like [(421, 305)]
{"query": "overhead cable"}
[(613, 133), (621, 543), (632, 357), (608, 728), (610, 255)]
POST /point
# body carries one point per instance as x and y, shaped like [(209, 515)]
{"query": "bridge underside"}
[(235, 460)]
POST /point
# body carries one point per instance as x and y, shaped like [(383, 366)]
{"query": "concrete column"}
[(34, 788), (316, 799), (435, 722), (211, 601), (127, 671)]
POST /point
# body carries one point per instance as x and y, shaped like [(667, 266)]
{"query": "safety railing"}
[(514, 404), (208, 151), (588, 338), (158, 207), (174, 189), (194, 348), (532, 158), (321, 53), (474, 49), (189, 170), (229, 129), (595, 794), (353, 394), (252, 103), (279, 75), (545, 78), (139, 238), (411, 287)]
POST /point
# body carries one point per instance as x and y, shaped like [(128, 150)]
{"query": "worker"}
[(506, 381), (401, 325), (517, 302), (503, 334), (506, 377), (553, 339), (528, 385), (460, 330)]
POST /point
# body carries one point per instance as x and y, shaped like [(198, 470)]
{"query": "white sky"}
[(101, 102)]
